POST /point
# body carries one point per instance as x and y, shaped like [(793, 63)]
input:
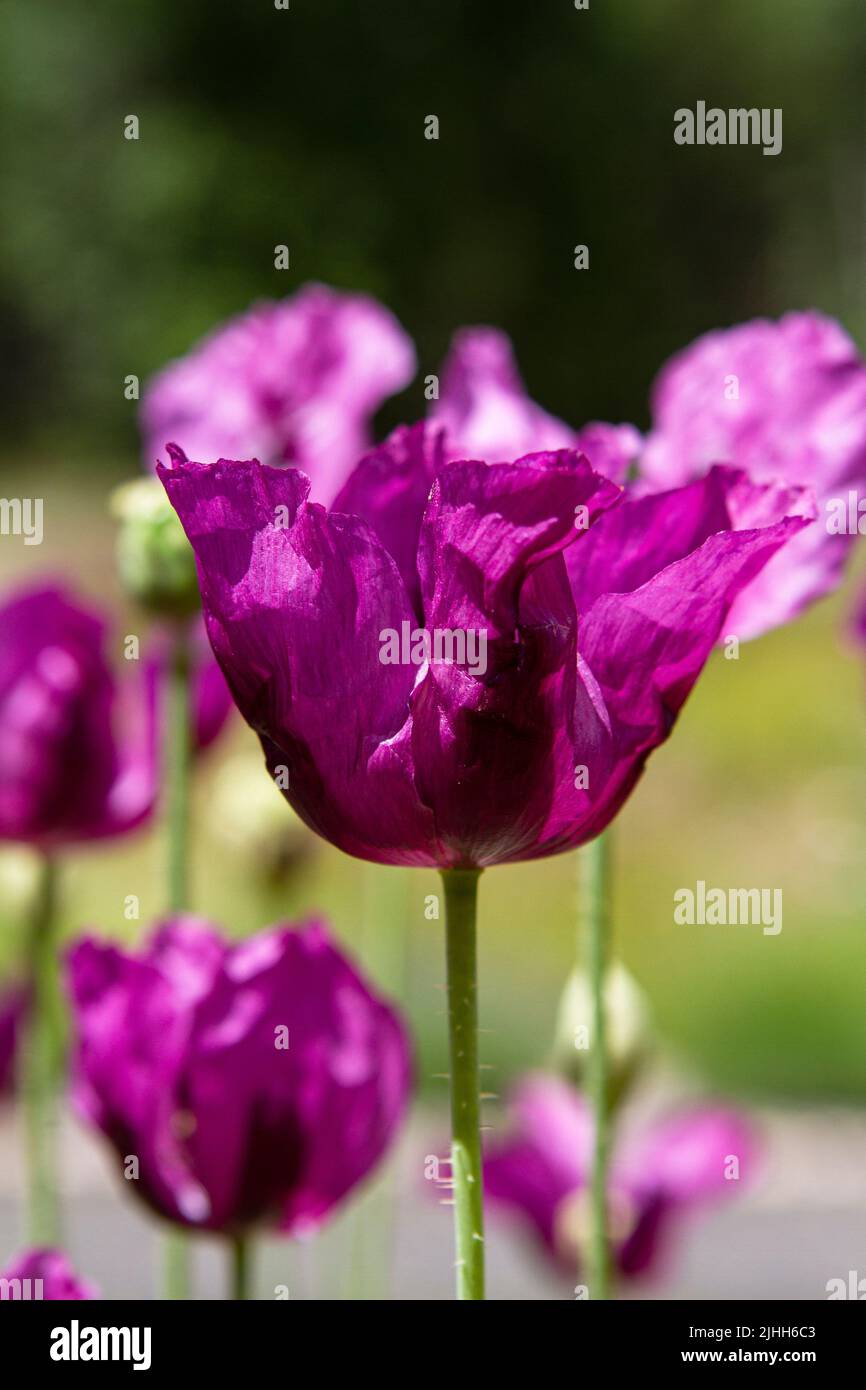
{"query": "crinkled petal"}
[(483, 405), (295, 603), (291, 382), (134, 1017), (256, 1083), (613, 450), (654, 583), (786, 401), (389, 490), (486, 743)]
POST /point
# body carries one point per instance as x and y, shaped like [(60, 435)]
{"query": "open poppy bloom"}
[(786, 401), (240, 1085), (296, 381), (466, 664), (658, 1176), (486, 411)]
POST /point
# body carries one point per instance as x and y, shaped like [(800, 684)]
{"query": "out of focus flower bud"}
[(269, 839), (628, 1028), (20, 880), (154, 557)]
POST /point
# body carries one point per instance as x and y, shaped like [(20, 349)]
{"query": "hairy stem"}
[(594, 912), (461, 897), (40, 1061)]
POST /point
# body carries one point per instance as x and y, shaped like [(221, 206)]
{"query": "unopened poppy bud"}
[(20, 877), (269, 839), (628, 1027), (154, 557)]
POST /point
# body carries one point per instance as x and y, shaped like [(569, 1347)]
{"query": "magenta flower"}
[(413, 670), (657, 1178), (76, 761), (486, 412), (483, 405), (291, 382), (254, 1084), (44, 1274), (13, 1010), (786, 401)]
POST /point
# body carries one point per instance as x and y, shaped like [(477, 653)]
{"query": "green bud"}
[(20, 874), (154, 557), (253, 820), (628, 1028)]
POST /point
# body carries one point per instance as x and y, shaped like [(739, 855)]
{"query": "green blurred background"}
[(306, 128)]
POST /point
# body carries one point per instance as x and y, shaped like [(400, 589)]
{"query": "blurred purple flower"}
[(295, 381), (611, 449), (486, 413), (658, 1176), (438, 762), (483, 406), (58, 1281), (13, 1010), (786, 401), (255, 1083), (76, 761)]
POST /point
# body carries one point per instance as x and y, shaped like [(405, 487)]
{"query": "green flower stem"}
[(176, 784), (594, 916), (240, 1267), (176, 770), (175, 1264), (461, 897), (40, 1061)]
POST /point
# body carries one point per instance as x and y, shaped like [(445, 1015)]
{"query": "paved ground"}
[(803, 1223)]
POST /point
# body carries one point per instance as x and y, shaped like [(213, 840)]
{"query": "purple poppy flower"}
[(486, 412), (541, 1174), (292, 382), (443, 714), (66, 772), (254, 1083), (44, 1274), (483, 405), (13, 1010), (786, 401)]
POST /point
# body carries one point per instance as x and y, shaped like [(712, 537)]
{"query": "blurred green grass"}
[(763, 784)]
